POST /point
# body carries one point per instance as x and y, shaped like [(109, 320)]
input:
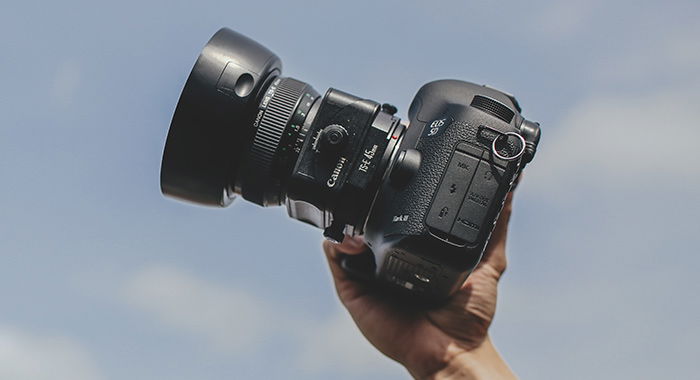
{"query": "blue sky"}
[(103, 278)]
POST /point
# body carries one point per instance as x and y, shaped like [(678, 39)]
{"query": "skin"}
[(451, 342)]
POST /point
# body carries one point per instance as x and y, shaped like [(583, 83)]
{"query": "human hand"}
[(450, 342)]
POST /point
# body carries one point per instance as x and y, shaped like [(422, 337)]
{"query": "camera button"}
[(451, 191), (477, 202), (491, 158), (469, 221)]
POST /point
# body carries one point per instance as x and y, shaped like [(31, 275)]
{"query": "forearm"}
[(482, 362)]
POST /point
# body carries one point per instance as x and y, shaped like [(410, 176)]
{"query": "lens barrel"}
[(212, 126), (238, 127), (280, 130)]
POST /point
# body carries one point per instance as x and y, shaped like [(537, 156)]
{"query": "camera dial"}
[(332, 139)]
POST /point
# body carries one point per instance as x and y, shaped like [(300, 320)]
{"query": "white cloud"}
[(230, 321), (25, 356), (639, 127), (227, 319), (671, 56), (610, 321), (336, 345), (621, 140), (613, 279)]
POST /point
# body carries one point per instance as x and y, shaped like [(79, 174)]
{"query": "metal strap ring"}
[(502, 157)]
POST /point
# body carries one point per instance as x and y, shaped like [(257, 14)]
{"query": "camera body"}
[(425, 196), (430, 233), (428, 219)]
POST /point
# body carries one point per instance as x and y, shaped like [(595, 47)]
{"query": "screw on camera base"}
[(335, 233)]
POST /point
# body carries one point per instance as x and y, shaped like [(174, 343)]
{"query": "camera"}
[(425, 195)]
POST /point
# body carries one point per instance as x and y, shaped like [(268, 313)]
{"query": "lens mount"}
[(213, 122)]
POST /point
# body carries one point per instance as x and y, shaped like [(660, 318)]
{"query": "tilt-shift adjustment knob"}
[(332, 139)]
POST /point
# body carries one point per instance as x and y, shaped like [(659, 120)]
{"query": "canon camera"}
[(424, 194)]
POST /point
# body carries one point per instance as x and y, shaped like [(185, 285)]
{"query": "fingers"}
[(346, 288), (351, 245), (495, 254), (332, 254)]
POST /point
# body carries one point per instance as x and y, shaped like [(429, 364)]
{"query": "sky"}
[(102, 278)]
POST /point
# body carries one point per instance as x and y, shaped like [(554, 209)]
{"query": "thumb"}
[(351, 245), (345, 287)]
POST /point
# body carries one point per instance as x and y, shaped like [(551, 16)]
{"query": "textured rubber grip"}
[(273, 123), (275, 114)]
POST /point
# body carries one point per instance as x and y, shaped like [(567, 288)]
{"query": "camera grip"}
[(430, 233)]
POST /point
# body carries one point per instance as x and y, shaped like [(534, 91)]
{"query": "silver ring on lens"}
[(502, 157)]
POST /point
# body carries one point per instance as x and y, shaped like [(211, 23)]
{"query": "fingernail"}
[(353, 241)]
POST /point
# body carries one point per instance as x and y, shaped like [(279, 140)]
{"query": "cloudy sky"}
[(102, 278)]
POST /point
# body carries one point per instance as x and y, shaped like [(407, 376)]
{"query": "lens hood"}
[(213, 121)]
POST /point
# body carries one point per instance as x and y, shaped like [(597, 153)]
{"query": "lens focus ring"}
[(277, 108)]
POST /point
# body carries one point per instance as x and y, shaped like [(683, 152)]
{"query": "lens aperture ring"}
[(274, 115)]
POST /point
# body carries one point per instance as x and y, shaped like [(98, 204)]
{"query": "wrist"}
[(480, 362)]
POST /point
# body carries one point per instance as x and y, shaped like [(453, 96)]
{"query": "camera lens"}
[(280, 131), (237, 126)]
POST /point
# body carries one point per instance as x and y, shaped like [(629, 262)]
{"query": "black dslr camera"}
[(425, 196)]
